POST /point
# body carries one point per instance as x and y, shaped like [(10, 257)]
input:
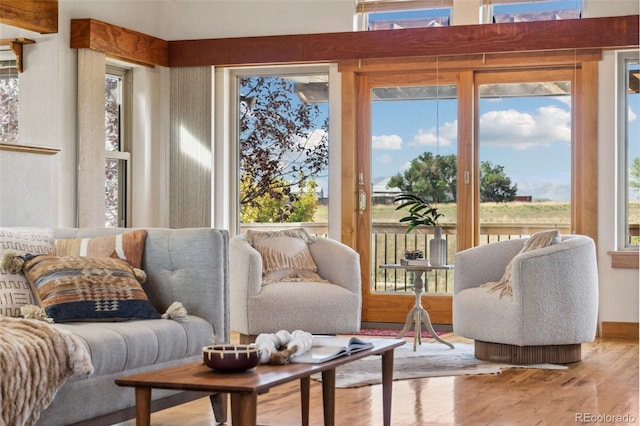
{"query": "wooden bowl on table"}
[(231, 358)]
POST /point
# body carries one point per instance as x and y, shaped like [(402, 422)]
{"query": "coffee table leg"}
[(244, 408), (305, 386), (387, 385), (143, 406), (329, 396)]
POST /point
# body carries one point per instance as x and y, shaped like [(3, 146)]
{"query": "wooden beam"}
[(40, 16), (590, 33), (118, 42)]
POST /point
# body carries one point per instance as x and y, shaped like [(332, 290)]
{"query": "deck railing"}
[(390, 240)]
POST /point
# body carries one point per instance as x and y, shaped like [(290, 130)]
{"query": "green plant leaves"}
[(421, 213)]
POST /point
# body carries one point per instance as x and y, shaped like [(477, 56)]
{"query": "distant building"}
[(501, 18), (523, 198), (396, 24), (381, 194)]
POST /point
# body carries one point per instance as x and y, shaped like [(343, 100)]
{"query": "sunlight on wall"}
[(193, 149)]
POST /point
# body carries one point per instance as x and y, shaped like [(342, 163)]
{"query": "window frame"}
[(365, 7), (123, 155), (487, 7), (227, 169), (622, 141)]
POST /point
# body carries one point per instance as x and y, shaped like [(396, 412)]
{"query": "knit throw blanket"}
[(35, 360)]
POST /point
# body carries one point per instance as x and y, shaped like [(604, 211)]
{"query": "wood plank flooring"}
[(605, 382)]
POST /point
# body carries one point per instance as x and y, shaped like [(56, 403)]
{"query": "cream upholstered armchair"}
[(330, 304), (553, 307)]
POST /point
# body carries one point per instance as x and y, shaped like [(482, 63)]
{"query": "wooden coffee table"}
[(245, 387)]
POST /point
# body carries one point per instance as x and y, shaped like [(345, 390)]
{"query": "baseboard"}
[(622, 330)]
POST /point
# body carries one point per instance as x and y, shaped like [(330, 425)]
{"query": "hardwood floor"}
[(605, 382)]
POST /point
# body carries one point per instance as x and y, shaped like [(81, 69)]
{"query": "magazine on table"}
[(326, 348)]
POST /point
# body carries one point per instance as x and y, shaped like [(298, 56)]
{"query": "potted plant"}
[(422, 213)]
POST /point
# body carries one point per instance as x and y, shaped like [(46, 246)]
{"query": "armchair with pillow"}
[(528, 301), (289, 280)]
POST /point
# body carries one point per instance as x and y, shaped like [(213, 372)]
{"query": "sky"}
[(529, 136)]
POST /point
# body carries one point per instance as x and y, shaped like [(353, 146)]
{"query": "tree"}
[(495, 185), (431, 177), (283, 145), (295, 207), (9, 109), (434, 178), (112, 143), (634, 175)]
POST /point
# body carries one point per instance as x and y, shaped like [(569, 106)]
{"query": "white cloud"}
[(384, 159), (631, 115), (448, 131), (523, 130), (563, 100), (313, 139), (391, 142)]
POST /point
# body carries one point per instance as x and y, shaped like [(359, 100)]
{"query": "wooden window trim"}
[(31, 149), (624, 259)]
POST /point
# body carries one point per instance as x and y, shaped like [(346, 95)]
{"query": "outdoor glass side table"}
[(418, 315)]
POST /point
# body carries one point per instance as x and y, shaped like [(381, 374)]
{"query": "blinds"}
[(501, 2), (378, 6)]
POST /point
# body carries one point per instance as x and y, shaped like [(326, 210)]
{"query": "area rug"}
[(392, 332), (429, 360)]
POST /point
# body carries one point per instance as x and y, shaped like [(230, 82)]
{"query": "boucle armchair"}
[(316, 307), (553, 308)]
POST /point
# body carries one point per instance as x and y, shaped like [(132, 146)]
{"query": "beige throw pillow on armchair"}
[(285, 255)]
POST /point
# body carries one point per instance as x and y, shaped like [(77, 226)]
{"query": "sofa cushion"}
[(127, 246), (76, 288), (14, 287), (285, 255), (307, 304), (118, 346)]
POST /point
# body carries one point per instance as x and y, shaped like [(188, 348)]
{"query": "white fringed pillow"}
[(538, 240), (15, 292), (285, 255)]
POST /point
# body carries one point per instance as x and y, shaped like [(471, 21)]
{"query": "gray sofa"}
[(185, 265)]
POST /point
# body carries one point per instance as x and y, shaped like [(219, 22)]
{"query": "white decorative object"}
[(438, 248)]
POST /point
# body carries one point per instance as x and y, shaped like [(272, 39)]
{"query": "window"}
[(524, 140), (502, 11), (116, 151), (629, 148), (398, 14), (283, 139), (8, 98)]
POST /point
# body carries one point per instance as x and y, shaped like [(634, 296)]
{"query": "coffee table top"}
[(196, 376)]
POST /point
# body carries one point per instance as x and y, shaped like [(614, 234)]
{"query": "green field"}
[(387, 247), (511, 213)]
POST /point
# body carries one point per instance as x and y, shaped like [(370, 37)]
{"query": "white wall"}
[(618, 287), (48, 99)]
